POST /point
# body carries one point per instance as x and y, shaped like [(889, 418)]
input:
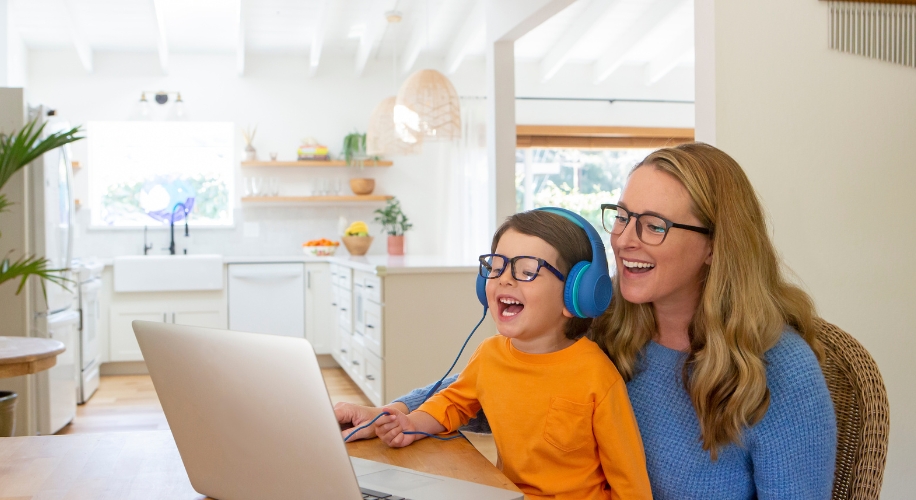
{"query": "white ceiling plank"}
[(321, 21), (376, 24), (617, 52), (240, 48), (474, 27), (434, 21), (561, 51), (83, 50), (161, 42), (679, 48)]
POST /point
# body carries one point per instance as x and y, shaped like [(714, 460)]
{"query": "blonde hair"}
[(744, 306)]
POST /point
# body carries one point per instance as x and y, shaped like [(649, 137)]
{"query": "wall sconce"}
[(177, 111)]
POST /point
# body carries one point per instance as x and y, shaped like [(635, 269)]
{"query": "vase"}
[(250, 153), (362, 186), (396, 245)]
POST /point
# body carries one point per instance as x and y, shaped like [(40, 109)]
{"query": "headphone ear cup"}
[(482, 290), (571, 290)]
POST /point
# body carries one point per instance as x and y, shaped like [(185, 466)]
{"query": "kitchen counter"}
[(381, 265)]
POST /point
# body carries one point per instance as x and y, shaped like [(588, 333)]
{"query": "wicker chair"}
[(862, 415)]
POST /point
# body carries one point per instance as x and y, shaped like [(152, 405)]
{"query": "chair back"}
[(862, 416)]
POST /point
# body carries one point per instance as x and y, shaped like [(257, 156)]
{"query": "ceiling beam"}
[(619, 50), (561, 51), (474, 28), (427, 24), (161, 43), (240, 46), (674, 52), (320, 17), (376, 25), (83, 50)]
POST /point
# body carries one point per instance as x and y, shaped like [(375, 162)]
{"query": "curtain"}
[(467, 230)]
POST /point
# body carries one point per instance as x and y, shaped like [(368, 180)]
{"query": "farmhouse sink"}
[(168, 273)]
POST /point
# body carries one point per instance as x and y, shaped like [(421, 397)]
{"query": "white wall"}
[(277, 95), (827, 140)]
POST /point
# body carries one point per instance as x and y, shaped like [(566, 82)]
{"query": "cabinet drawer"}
[(373, 328), (357, 365), (345, 278), (373, 287), (373, 378), (344, 349), (345, 311)]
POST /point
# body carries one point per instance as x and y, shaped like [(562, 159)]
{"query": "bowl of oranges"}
[(320, 248)]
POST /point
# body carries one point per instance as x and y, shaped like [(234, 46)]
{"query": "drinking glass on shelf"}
[(274, 186), (273, 156), (337, 185), (257, 186)]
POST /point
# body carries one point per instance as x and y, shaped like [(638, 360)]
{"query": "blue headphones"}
[(588, 284)]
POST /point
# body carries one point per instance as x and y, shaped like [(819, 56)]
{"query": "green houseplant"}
[(354, 153), (16, 151), (395, 223)]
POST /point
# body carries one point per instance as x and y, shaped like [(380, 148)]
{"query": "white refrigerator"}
[(41, 223)]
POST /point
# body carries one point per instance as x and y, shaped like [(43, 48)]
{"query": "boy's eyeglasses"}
[(650, 229), (524, 267)]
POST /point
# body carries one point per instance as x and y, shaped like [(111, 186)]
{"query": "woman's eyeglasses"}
[(524, 267), (650, 229)]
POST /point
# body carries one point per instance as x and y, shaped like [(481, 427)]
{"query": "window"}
[(579, 168), (139, 172), (576, 179)]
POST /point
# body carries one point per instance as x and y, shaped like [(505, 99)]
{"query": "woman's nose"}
[(628, 238)]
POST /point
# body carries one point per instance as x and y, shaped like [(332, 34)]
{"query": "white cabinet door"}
[(267, 298), (202, 316), (124, 345), (320, 313)]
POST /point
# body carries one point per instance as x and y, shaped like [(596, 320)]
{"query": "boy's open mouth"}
[(509, 306)]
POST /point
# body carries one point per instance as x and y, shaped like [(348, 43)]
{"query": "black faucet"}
[(172, 226)]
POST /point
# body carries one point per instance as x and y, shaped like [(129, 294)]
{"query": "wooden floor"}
[(129, 403)]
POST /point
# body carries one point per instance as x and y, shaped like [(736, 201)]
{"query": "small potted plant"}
[(354, 153), (395, 223)]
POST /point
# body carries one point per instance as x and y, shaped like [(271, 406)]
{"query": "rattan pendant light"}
[(383, 139), (428, 105)]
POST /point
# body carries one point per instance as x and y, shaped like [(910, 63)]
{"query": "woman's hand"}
[(351, 416), (390, 429)]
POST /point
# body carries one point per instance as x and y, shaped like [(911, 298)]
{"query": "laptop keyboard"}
[(378, 495)]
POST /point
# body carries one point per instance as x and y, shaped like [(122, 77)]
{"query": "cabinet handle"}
[(343, 308), (334, 304), (173, 317), (308, 280), (370, 377), (369, 286), (343, 350), (369, 326), (164, 318), (356, 362)]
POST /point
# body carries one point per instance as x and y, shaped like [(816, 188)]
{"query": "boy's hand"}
[(390, 429)]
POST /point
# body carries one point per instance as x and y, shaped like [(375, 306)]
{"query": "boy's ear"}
[(567, 313)]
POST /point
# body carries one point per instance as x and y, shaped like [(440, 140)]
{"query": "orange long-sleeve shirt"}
[(562, 421)]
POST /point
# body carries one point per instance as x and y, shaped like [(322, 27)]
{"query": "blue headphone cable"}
[(431, 391)]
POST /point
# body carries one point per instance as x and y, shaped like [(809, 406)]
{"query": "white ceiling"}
[(657, 34)]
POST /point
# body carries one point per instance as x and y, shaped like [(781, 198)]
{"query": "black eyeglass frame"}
[(636, 216), (511, 261)]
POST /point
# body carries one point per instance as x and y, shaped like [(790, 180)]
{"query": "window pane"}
[(140, 171), (576, 179)]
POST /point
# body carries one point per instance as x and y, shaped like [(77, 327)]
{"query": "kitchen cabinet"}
[(207, 309), (401, 328), (319, 311), (267, 298)]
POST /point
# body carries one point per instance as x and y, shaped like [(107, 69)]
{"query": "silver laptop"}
[(252, 419)]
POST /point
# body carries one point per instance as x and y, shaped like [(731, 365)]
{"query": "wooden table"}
[(146, 465), (25, 355)]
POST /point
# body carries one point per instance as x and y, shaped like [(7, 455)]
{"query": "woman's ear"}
[(708, 260)]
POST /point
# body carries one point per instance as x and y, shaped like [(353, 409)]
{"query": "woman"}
[(718, 349)]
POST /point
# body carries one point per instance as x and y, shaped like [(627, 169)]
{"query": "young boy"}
[(557, 406)]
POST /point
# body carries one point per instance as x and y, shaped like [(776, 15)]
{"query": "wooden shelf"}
[(298, 199), (329, 163)]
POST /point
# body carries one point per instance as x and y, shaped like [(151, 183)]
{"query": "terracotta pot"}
[(357, 245), (361, 185), (396, 245)]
